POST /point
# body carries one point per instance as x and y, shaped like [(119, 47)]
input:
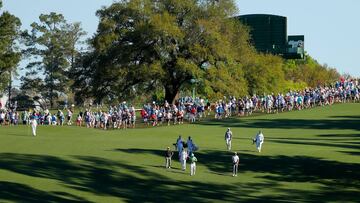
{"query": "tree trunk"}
[(10, 86), (51, 92), (170, 93)]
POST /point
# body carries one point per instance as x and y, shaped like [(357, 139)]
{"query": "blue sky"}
[(331, 28)]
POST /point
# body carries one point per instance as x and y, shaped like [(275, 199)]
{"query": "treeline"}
[(146, 48)]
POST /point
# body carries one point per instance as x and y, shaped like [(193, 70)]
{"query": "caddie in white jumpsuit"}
[(228, 137), (259, 139), (193, 161), (183, 158), (33, 124)]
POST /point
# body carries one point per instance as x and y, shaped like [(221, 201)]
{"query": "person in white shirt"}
[(193, 161), (69, 117), (33, 124), (48, 119), (183, 158), (2, 118), (228, 138), (259, 140), (132, 116), (235, 160)]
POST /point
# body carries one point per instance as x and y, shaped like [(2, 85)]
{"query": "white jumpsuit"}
[(33, 126), (259, 141), (183, 158)]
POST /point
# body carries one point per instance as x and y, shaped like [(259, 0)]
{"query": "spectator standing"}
[(168, 156)]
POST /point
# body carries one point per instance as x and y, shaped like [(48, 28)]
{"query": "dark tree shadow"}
[(346, 117), (22, 193), (304, 169), (326, 143), (342, 177), (220, 160), (342, 123), (355, 153), (353, 136), (107, 178), (133, 183), (143, 151), (325, 138)]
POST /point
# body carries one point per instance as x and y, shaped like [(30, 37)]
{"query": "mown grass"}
[(308, 156)]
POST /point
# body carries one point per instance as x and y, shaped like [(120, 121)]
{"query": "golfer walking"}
[(228, 138), (193, 161), (235, 160), (259, 140)]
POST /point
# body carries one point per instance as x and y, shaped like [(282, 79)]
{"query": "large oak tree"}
[(140, 44)]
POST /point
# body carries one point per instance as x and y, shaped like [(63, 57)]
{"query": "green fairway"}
[(308, 156)]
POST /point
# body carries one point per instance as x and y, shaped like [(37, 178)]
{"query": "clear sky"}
[(331, 28)]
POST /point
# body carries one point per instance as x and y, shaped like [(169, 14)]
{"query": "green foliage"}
[(310, 72), (295, 86), (9, 52), (24, 102), (224, 80), (158, 97), (158, 48), (51, 48), (265, 74), (271, 74), (141, 44)]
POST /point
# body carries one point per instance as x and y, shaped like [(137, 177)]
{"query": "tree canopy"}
[(141, 44), (149, 47), (10, 54), (51, 49)]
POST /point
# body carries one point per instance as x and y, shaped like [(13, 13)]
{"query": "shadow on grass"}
[(344, 177), (346, 117), (355, 136), (144, 151), (324, 143), (107, 178), (325, 138), (343, 123), (302, 169), (133, 183), (355, 153), (22, 193)]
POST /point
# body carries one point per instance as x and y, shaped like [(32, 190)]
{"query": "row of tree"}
[(148, 47)]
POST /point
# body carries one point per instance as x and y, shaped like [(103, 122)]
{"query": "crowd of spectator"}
[(188, 109)]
